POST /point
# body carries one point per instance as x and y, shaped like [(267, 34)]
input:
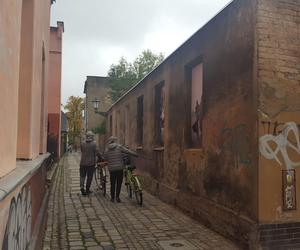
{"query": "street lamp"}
[(96, 103)]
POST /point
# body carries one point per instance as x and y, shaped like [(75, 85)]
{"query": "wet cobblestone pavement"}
[(93, 222)]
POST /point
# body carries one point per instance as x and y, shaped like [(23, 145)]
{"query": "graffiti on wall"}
[(236, 141), (18, 228), (282, 139), (273, 128), (287, 138)]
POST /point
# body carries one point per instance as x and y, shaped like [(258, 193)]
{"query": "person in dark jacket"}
[(114, 156), (89, 154)]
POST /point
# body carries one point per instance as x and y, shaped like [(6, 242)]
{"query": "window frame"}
[(159, 107), (188, 79)]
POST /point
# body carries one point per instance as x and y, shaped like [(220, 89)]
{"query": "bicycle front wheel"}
[(139, 197), (138, 191)]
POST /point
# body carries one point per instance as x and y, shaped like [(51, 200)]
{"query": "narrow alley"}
[(93, 222)]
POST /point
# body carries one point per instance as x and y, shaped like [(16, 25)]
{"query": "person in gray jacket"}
[(114, 156), (89, 154)]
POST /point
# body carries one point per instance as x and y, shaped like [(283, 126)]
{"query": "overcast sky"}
[(99, 32)]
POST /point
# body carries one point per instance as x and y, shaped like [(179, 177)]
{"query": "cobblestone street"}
[(93, 222)]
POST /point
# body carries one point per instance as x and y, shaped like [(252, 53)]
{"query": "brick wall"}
[(278, 78), (278, 38), (280, 236)]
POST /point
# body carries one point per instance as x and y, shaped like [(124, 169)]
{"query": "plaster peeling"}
[(264, 115)]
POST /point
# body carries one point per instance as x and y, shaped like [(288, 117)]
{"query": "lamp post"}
[(96, 103)]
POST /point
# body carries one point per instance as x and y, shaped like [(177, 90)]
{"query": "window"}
[(117, 124), (110, 125), (159, 113), (196, 76), (140, 120), (127, 126)]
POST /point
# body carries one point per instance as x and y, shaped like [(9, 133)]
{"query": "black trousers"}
[(116, 178), (86, 172)]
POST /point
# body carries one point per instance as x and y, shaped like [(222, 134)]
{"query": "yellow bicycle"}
[(132, 182)]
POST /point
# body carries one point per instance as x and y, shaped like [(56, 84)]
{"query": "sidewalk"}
[(93, 222)]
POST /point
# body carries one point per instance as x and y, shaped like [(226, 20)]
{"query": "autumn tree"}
[(125, 74), (74, 108)]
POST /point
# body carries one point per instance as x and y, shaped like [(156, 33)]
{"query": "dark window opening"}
[(196, 77), (140, 120), (110, 124), (159, 114)]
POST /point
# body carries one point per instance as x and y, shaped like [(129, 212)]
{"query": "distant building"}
[(63, 133), (217, 124), (96, 87), (54, 89), (24, 63)]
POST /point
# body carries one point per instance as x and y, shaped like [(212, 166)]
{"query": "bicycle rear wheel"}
[(103, 182), (98, 178)]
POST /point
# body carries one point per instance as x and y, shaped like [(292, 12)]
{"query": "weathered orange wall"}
[(54, 83), (216, 182), (34, 49), (9, 81), (278, 61)]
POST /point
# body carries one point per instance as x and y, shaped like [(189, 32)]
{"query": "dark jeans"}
[(116, 178), (86, 171)]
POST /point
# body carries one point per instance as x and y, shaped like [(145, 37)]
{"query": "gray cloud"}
[(98, 32)]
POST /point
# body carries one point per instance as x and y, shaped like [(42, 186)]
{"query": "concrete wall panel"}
[(9, 81), (34, 50)]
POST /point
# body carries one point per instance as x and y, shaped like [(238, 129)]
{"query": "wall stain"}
[(236, 141), (222, 185)]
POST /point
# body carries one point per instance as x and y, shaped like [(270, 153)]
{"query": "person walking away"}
[(89, 154), (114, 156)]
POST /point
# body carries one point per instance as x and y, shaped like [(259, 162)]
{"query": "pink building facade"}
[(24, 61), (54, 89)]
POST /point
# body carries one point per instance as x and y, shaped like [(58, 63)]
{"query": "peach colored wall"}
[(278, 77), (9, 65), (34, 40), (270, 174), (54, 82), (23, 69)]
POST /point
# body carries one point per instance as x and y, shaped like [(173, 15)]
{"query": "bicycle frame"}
[(133, 184)]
